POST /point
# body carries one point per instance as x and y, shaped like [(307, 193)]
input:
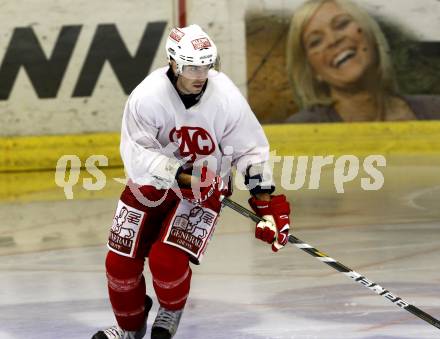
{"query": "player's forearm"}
[(149, 167)]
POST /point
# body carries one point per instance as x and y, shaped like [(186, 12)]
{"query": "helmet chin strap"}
[(175, 75), (175, 79)]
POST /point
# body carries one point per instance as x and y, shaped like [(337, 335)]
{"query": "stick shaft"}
[(342, 268)]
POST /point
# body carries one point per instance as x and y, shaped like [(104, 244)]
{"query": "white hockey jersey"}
[(159, 134)]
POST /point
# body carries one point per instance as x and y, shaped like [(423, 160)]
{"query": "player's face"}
[(192, 79), (337, 48)]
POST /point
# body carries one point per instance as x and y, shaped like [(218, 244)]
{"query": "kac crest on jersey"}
[(193, 142)]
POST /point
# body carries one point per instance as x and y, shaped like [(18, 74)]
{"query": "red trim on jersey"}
[(182, 13)]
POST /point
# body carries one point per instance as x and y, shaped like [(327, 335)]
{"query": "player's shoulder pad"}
[(225, 88), (153, 86)]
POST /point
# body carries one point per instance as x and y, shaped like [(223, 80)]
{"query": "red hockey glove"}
[(209, 192), (275, 230)]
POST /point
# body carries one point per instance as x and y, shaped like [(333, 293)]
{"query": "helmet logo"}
[(201, 43), (176, 34)]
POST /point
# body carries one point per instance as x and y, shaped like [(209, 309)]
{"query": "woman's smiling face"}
[(337, 48)]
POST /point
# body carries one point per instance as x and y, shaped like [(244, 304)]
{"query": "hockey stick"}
[(341, 268)]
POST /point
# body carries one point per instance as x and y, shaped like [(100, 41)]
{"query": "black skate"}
[(115, 332), (166, 323)]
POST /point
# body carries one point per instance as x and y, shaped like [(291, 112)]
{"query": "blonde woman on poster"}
[(339, 64)]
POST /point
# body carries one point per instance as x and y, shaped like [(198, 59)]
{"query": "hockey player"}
[(183, 127)]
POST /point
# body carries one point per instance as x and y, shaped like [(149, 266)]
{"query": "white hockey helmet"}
[(191, 46)]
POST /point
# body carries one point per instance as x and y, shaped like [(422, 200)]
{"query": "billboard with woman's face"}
[(333, 61)]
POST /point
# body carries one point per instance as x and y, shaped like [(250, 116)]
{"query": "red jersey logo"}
[(193, 141)]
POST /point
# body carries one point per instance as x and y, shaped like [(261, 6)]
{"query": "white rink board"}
[(27, 114)]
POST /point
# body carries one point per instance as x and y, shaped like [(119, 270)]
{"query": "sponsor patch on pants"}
[(124, 233), (190, 229)]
